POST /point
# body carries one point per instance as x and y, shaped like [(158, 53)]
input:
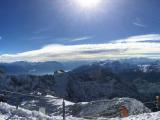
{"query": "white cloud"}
[(134, 46), (81, 38)]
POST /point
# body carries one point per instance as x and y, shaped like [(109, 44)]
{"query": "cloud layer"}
[(134, 46)]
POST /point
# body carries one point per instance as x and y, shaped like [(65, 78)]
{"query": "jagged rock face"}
[(108, 108), (147, 88), (91, 83), (87, 91), (28, 83), (95, 82), (61, 84), (25, 84)]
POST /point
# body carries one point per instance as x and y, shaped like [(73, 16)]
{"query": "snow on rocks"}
[(145, 116), (8, 112), (108, 108)]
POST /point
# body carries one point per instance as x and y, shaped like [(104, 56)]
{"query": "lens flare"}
[(88, 4)]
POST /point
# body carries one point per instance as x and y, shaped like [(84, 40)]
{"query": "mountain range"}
[(38, 68), (95, 81)]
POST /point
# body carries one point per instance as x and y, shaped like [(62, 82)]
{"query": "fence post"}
[(17, 100), (157, 102), (63, 105)]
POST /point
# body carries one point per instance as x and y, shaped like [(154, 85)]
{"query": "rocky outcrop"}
[(108, 108), (2, 73), (89, 83)]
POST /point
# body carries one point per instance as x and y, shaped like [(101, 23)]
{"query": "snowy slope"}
[(99, 108), (52, 105), (108, 108), (146, 116), (8, 112)]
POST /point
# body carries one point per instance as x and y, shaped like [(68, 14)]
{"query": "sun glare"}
[(88, 4)]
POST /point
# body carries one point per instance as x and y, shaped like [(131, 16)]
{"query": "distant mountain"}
[(39, 68), (31, 67)]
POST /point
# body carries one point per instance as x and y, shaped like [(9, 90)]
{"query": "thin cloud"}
[(139, 24), (81, 38), (42, 30), (142, 38), (40, 38), (103, 51), (124, 48), (0, 37)]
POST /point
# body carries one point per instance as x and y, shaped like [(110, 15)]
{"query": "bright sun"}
[(88, 4)]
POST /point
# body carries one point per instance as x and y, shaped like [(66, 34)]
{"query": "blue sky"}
[(30, 29)]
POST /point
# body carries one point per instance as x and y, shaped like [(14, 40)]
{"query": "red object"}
[(124, 111)]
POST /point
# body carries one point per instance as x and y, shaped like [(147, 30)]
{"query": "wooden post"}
[(16, 99), (157, 102), (17, 105), (124, 111), (63, 105)]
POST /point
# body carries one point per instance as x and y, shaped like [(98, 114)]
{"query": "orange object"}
[(124, 111)]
